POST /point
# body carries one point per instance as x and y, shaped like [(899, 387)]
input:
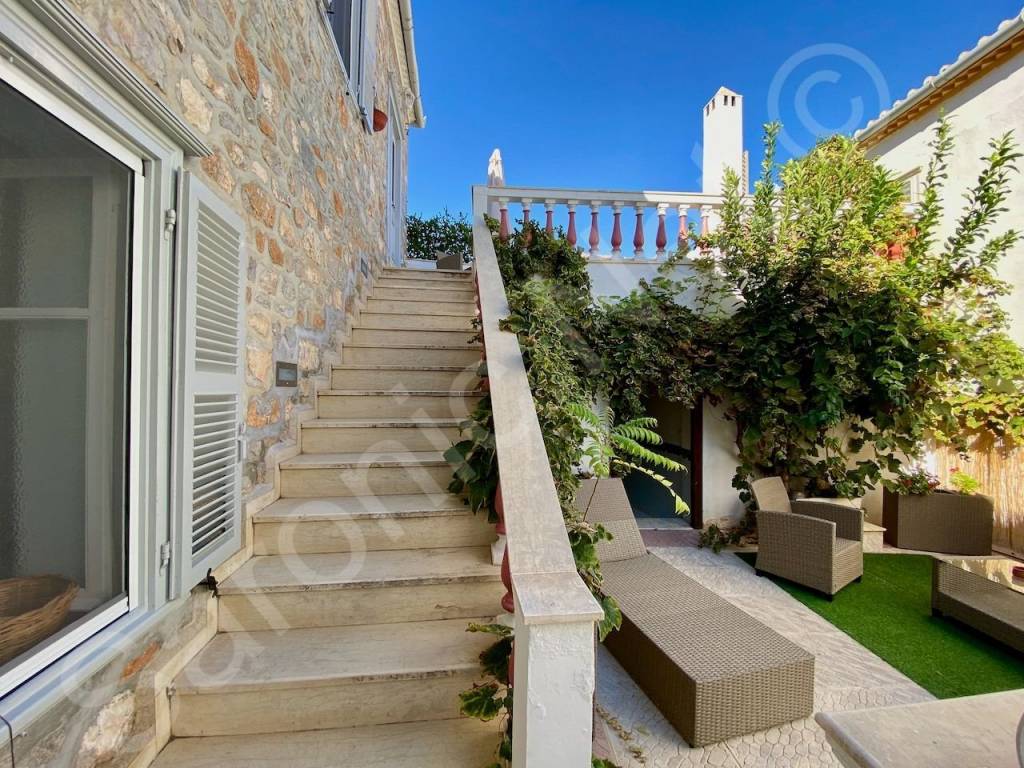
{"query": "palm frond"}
[(681, 507), (639, 433), (635, 450)]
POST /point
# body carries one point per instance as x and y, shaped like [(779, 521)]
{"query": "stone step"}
[(353, 588), (384, 404), (379, 436), (410, 320), (310, 475), (873, 536), (423, 354), (409, 376), (411, 335), (462, 743), (368, 524), (433, 274), (404, 306), (329, 677), (403, 292), (427, 283)]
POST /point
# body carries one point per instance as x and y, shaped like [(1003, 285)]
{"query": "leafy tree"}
[(446, 232), (844, 335)]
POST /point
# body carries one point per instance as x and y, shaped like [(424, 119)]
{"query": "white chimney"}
[(723, 139)]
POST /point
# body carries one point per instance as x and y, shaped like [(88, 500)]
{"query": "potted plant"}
[(918, 514), (613, 450)]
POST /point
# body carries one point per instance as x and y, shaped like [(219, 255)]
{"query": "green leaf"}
[(483, 702), (612, 618)]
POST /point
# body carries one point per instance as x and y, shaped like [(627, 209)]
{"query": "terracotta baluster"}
[(662, 239), (638, 233), (682, 237), (705, 226), (503, 209), (507, 602), (617, 229), (705, 220), (570, 234), (549, 211), (595, 234)]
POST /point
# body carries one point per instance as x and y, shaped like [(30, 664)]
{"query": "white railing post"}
[(553, 689)]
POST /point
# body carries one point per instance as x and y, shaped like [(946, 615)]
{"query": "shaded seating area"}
[(813, 543), (713, 670)]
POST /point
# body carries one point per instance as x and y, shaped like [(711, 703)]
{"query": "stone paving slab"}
[(847, 676)]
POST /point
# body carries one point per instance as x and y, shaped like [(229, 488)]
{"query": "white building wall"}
[(987, 108)]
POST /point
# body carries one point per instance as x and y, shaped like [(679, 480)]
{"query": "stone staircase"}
[(342, 641)]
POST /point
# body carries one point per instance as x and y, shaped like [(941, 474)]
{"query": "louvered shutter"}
[(367, 69), (210, 301)]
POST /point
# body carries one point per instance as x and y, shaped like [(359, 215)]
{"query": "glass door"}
[(65, 222)]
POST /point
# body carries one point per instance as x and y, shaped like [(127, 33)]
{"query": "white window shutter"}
[(368, 61), (208, 353)]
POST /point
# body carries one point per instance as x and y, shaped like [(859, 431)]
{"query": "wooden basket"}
[(32, 609)]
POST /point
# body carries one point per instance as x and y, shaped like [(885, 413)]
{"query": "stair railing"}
[(554, 612)]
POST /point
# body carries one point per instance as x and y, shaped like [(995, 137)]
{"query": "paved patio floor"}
[(847, 676)]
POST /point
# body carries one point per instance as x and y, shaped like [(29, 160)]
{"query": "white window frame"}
[(912, 180), (48, 56), (59, 644), (364, 29)]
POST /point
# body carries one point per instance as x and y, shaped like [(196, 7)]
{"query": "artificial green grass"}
[(889, 613)]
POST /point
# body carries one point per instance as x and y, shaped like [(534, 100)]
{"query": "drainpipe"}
[(405, 10)]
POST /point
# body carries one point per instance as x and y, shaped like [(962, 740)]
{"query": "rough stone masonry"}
[(262, 82)]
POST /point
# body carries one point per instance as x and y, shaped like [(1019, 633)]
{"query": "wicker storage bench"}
[(714, 671), (953, 523), (981, 593)]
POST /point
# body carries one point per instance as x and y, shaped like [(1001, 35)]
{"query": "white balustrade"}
[(650, 209)]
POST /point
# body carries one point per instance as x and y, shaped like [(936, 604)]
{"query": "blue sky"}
[(602, 94)]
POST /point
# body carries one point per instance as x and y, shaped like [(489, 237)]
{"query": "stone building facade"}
[(261, 82)]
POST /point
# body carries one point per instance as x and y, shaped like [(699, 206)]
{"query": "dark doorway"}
[(680, 428)]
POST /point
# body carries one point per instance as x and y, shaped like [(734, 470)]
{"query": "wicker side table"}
[(982, 593)]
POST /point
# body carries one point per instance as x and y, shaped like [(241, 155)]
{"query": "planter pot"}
[(951, 523), (380, 120)]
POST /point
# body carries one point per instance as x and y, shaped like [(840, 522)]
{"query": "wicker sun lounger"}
[(714, 671)]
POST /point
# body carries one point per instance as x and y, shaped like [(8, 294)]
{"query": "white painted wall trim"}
[(66, 26)]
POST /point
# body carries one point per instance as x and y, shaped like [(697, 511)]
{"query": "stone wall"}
[(261, 81), (113, 718)]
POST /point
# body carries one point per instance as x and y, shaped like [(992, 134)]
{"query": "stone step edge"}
[(433, 671), (407, 271), (417, 423), (268, 516), (312, 461), (389, 367), (380, 583), (401, 392), (444, 347), (374, 327)]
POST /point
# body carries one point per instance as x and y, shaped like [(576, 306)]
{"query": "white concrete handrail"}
[(554, 610)]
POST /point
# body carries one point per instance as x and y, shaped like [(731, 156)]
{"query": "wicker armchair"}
[(813, 543)]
